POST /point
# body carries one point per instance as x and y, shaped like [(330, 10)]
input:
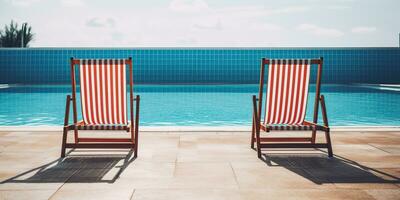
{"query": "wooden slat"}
[(286, 139), (101, 146), (105, 140), (294, 145)]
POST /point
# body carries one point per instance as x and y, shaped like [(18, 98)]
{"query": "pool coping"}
[(203, 128)]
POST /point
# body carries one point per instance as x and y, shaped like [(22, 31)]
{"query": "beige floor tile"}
[(365, 186), (147, 169), (393, 149), (146, 183), (215, 155), (188, 169), (203, 175), (259, 175), (392, 161), (184, 194), (385, 194), (203, 183), (25, 194), (99, 194), (301, 194), (30, 186)]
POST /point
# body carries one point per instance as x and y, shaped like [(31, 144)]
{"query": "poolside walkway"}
[(201, 165)]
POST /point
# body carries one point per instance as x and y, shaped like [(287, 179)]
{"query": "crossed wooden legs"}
[(263, 142), (128, 143)]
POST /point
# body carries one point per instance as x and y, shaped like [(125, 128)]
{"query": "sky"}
[(207, 23)]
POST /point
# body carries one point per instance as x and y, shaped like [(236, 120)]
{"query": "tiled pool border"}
[(204, 65)]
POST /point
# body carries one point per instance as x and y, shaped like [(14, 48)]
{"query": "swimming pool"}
[(203, 105)]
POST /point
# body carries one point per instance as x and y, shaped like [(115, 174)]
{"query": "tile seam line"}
[(58, 189), (234, 175), (372, 145), (133, 192), (176, 159)]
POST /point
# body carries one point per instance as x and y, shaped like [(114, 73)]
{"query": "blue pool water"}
[(203, 105)]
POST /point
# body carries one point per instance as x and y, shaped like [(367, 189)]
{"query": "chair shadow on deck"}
[(77, 169), (321, 169)]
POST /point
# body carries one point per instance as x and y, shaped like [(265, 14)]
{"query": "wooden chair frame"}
[(290, 142), (81, 142)]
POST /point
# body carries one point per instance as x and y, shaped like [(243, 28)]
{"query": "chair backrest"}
[(287, 93), (103, 90)]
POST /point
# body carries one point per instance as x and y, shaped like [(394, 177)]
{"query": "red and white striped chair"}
[(103, 104), (285, 105)]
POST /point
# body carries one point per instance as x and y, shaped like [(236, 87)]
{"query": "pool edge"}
[(201, 128)]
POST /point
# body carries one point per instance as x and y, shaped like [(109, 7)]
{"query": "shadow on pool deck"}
[(107, 169), (321, 169), (77, 169)]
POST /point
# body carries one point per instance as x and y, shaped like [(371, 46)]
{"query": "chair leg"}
[(65, 129), (64, 141), (137, 125), (76, 137), (135, 153), (258, 143), (329, 143), (135, 147), (134, 141), (313, 136), (256, 125), (253, 131)]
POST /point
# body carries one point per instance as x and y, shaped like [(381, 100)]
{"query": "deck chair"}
[(103, 104), (285, 105)]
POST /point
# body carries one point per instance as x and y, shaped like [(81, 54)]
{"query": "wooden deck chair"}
[(103, 104), (285, 105)]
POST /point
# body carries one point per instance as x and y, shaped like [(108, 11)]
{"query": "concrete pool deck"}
[(200, 165)]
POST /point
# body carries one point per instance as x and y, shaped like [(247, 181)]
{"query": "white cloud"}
[(188, 5), (22, 2), (100, 22), (270, 27), (320, 31), (363, 29), (338, 7), (289, 9), (260, 11), (208, 26), (117, 36), (72, 3), (186, 41), (332, 1)]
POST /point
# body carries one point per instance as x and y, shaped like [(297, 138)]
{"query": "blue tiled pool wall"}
[(201, 65)]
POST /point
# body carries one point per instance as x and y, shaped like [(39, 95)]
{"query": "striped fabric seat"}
[(290, 127), (287, 93), (102, 127), (103, 92)]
